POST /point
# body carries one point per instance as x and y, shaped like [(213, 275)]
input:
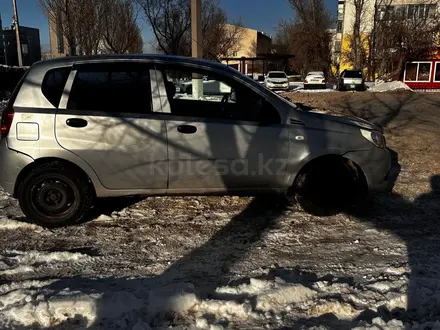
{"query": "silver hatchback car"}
[(81, 128)]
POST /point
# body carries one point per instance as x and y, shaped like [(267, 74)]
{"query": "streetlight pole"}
[(197, 49), (17, 34)]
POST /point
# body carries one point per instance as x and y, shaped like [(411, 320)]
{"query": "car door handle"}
[(186, 129), (76, 122)]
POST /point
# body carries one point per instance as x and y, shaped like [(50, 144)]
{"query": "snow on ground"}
[(238, 262), (389, 86)]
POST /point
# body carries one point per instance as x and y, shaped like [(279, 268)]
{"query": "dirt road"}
[(240, 262)]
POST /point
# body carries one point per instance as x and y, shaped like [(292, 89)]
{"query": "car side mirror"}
[(233, 96)]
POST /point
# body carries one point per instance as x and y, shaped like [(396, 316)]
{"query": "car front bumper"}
[(11, 164), (278, 87), (376, 166)]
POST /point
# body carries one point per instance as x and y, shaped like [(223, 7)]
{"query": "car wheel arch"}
[(38, 162), (326, 159)]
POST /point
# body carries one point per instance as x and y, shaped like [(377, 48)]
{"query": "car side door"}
[(227, 139), (109, 117)]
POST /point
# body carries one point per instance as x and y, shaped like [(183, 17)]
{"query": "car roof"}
[(276, 72), (315, 72), (70, 60)]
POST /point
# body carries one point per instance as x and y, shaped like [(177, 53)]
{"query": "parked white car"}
[(277, 80), (210, 87), (315, 80)]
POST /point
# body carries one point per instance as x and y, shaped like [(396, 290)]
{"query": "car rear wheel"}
[(54, 195), (329, 186)]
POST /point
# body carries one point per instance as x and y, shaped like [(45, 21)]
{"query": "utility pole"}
[(197, 49), (17, 34)]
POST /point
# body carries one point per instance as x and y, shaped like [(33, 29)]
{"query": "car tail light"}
[(7, 118), (306, 81)]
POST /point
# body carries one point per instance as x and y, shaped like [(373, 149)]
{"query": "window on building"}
[(437, 72), (418, 71), (338, 46), (234, 54), (53, 84), (411, 71), (113, 87), (339, 26), (424, 73)]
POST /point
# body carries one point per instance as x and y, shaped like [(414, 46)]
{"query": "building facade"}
[(58, 44), (30, 46), (373, 11), (253, 45)]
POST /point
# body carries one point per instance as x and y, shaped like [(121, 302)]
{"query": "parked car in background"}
[(277, 80), (315, 80), (81, 128), (351, 80)]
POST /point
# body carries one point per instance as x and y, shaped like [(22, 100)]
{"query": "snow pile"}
[(20, 262), (9, 224), (389, 86)]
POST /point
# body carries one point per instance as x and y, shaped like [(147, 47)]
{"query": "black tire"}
[(55, 194), (328, 188)]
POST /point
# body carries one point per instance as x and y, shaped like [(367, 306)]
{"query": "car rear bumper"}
[(11, 164), (315, 86), (376, 166), (353, 86)]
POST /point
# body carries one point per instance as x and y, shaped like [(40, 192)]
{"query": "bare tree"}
[(64, 15), (307, 35), (357, 52), (121, 34), (90, 27), (219, 38), (170, 21)]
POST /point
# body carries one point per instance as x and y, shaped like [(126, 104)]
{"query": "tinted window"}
[(437, 72), (112, 88), (411, 71), (53, 84), (353, 74), (277, 75), (424, 72), (222, 97)]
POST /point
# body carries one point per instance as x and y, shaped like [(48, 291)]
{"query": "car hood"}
[(349, 120)]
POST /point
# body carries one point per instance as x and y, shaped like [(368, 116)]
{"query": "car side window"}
[(112, 87), (53, 84), (214, 96)]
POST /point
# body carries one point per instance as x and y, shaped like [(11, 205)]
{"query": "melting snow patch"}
[(8, 224), (389, 86)]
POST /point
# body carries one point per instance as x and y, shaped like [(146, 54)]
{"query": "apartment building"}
[(244, 57), (419, 9)]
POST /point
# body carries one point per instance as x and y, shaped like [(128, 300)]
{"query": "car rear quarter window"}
[(53, 84), (113, 87)]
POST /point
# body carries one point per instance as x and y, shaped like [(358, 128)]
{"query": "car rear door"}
[(108, 117)]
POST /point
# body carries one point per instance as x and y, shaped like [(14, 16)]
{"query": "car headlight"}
[(375, 137)]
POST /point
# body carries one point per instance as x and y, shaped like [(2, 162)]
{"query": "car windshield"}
[(353, 74), (276, 75)]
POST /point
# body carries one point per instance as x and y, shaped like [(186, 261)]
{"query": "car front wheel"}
[(54, 195)]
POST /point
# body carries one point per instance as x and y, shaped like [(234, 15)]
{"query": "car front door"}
[(226, 139), (108, 118)]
